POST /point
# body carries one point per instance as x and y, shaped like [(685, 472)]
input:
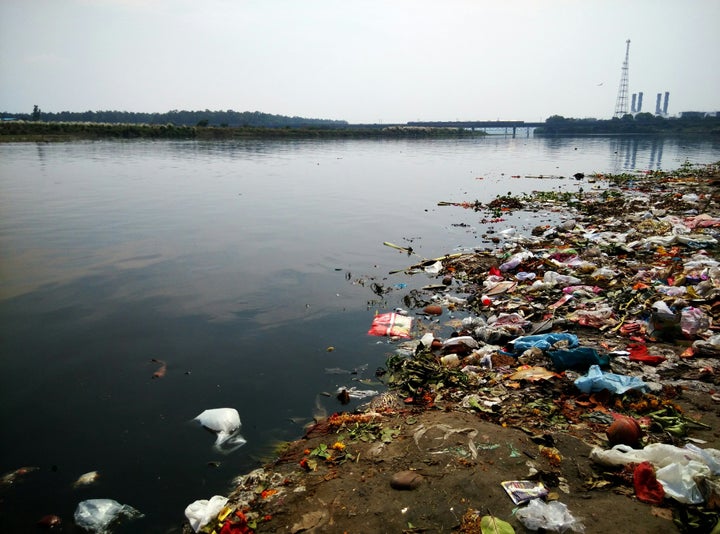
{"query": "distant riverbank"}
[(23, 131)]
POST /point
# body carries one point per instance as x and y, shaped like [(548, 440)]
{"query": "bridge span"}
[(481, 125)]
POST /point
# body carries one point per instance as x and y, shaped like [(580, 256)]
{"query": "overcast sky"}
[(364, 61)]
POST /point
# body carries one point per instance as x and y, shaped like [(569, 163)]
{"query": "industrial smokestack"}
[(657, 104), (632, 103), (639, 102), (665, 105)]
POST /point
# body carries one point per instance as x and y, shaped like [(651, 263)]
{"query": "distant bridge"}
[(481, 125)]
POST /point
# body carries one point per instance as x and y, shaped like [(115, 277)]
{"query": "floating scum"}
[(608, 314)]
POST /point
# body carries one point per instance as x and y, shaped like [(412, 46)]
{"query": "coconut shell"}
[(624, 430), (433, 309)]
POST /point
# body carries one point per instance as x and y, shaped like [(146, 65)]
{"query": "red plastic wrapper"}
[(647, 488), (639, 353), (392, 325)]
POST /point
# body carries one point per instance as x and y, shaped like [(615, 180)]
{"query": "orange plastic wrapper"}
[(392, 325)]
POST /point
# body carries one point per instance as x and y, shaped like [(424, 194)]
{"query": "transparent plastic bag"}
[(96, 515), (551, 517)]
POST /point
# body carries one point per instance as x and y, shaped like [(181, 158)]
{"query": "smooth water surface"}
[(237, 263)]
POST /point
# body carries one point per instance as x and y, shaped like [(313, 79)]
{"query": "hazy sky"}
[(358, 60)]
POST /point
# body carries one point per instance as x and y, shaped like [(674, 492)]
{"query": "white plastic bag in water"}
[(96, 515), (201, 512), (225, 422)]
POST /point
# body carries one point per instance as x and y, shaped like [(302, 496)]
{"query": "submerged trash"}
[(161, 370), (225, 422), (86, 479), (96, 515), (13, 476)]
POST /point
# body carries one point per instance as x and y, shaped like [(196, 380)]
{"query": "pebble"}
[(406, 480)]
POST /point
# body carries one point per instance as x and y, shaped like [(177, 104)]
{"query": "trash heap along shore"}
[(566, 381)]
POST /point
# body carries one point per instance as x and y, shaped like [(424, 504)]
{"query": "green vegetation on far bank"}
[(19, 131), (642, 123)]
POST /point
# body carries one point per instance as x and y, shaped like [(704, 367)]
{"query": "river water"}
[(239, 264)]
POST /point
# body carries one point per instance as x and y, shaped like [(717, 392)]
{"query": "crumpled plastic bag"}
[(680, 469), (225, 422), (680, 481), (597, 380), (552, 517), (202, 511), (543, 341), (96, 515)]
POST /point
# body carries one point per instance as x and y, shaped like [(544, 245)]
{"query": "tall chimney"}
[(657, 104), (632, 103), (639, 103), (665, 105)]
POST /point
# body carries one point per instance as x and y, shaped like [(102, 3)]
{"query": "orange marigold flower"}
[(338, 446)]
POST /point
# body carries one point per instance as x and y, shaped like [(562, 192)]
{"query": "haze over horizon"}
[(370, 61)]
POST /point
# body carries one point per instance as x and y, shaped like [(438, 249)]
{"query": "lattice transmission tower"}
[(621, 104)]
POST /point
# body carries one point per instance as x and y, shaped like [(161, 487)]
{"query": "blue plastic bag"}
[(543, 341), (578, 359), (597, 380)]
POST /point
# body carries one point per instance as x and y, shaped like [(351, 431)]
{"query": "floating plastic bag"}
[(96, 515), (597, 380), (201, 512), (551, 517), (392, 325), (225, 422)]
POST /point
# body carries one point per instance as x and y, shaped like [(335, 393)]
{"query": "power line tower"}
[(621, 104)]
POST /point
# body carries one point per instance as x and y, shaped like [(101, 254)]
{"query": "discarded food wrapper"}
[(225, 422), (391, 324), (202, 511), (551, 517), (96, 515), (521, 491)]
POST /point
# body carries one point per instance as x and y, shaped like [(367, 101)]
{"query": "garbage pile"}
[(595, 326)]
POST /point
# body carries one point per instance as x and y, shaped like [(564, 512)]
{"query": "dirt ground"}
[(353, 491)]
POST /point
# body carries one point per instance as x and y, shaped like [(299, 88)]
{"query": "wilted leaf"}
[(492, 525)]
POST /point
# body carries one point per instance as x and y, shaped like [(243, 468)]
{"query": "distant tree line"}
[(641, 123), (175, 117), (29, 130)]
